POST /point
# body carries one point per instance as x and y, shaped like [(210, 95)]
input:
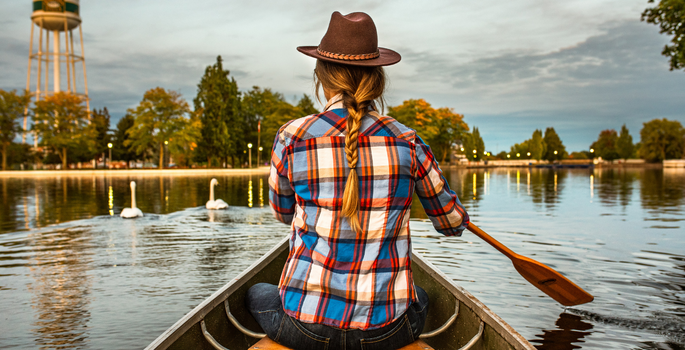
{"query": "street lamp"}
[(462, 149), (109, 145), (474, 151), (555, 152), (508, 155), (518, 154), (249, 146), (260, 153), (592, 150)]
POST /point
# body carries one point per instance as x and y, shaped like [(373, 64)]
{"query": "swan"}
[(215, 204), (132, 212)]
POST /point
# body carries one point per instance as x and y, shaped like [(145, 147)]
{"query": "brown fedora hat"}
[(351, 40)]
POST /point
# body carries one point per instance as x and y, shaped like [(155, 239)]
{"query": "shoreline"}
[(129, 172)]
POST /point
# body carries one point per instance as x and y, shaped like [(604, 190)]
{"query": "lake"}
[(73, 274)]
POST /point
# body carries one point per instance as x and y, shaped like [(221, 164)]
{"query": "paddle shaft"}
[(493, 242)]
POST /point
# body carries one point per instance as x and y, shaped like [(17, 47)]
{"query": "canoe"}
[(456, 319)]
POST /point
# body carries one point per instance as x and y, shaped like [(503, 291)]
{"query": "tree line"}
[(224, 121)]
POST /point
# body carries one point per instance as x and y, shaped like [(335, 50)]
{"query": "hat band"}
[(345, 57)]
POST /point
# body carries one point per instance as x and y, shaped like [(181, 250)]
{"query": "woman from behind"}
[(344, 180)]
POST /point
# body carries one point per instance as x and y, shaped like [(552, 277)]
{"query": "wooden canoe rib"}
[(473, 316)]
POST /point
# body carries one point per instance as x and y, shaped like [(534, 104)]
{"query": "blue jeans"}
[(264, 302)]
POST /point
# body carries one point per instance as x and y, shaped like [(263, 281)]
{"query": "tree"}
[(120, 151), (12, 106), (624, 144), (537, 147), (474, 147), (605, 146), (158, 118), (662, 139), (271, 110), (669, 15), (217, 106), (100, 128), (440, 128), (61, 123), (184, 142), (555, 149), (306, 105)]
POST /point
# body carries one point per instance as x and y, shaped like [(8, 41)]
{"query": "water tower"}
[(56, 58)]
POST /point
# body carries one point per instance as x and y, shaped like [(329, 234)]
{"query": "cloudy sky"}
[(510, 66)]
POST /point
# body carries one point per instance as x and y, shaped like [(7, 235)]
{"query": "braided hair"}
[(359, 86)]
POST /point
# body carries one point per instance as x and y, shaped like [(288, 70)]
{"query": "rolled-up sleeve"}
[(281, 194), (440, 203)]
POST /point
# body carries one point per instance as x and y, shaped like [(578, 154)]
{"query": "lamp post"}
[(249, 146), (109, 145), (166, 150), (259, 134), (260, 152)]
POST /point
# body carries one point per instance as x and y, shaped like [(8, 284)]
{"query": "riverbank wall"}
[(137, 172)]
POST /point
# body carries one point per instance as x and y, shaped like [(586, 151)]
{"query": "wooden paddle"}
[(540, 275)]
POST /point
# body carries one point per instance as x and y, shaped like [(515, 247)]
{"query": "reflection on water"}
[(73, 274)]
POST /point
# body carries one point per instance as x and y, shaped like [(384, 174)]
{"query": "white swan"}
[(132, 212), (215, 204)]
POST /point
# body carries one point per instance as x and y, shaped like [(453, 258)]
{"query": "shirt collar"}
[(335, 102)]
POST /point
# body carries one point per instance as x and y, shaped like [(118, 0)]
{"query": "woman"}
[(344, 181)]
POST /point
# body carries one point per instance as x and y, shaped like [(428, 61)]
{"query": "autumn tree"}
[(555, 149), (662, 139), (217, 106), (61, 123), (669, 15), (12, 106), (605, 146), (440, 128), (624, 144), (159, 117)]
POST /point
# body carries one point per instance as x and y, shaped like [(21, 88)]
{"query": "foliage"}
[(282, 113), (217, 106), (159, 117), (553, 144), (624, 144), (605, 146), (440, 128), (100, 124), (12, 107), (182, 145), (578, 155), (474, 147), (271, 110), (669, 15), (119, 150), (662, 139), (61, 123), (306, 105), (533, 148)]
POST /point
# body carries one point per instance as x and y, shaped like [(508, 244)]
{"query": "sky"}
[(510, 66)]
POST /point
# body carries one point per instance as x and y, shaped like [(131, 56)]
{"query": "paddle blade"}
[(551, 282)]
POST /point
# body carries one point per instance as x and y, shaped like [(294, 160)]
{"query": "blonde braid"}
[(359, 87)]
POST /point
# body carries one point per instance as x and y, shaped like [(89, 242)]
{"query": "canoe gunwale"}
[(486, 315), (198, 313)]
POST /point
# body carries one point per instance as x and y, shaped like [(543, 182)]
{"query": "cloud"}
[(602, 82)]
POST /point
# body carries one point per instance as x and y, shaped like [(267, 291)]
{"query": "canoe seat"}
[(268, 344)]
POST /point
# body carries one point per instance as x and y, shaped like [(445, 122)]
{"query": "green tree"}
[(306, 105), (217, 105), (61, 123), (624, 144), (184, 142), (12, 106), (555, 149), (537, 147), (474, 147), (662, 139), (99, 123), (120, 151), (272, 111), (158, 118), (605, 146), (669, 15)]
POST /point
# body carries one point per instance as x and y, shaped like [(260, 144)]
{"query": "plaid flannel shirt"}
[(333, 275)]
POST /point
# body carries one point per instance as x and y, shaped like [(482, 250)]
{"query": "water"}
[(75, 275)]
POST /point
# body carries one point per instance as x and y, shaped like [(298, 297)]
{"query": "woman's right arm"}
[(440, 203)]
